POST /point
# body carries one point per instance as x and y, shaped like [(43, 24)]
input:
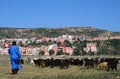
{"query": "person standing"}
[(15, 56)]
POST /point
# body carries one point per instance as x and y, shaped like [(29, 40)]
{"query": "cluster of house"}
[(30, 50)]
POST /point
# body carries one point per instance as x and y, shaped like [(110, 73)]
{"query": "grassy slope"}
[(73, 72)]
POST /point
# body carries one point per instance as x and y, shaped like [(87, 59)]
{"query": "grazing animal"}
[(62, 63), (103, 65), (42, 63), (89, 62), (108, 64), (21, 61), (112, 64)]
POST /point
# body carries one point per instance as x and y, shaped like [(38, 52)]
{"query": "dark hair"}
[(14, 43)]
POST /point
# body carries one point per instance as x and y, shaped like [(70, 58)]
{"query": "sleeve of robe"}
[(14, 52)]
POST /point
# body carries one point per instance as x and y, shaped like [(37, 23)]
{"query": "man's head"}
[(14, 43)]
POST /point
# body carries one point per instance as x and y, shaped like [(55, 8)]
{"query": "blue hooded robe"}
[(15, 56)]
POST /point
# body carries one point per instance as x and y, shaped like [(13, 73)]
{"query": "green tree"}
[(51, 52), (58, 43), (115, 43), (79, 47), (60, 52), (76, 52), (67, 43), (41, 53)]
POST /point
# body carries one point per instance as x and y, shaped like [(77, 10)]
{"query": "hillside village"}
[(27, 48)]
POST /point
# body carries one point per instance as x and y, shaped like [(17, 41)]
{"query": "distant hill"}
[(53, 32)]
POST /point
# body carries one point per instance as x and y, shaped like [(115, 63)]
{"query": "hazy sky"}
[(103, 14)]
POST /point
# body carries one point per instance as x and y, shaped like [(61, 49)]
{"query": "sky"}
[(102, 14)]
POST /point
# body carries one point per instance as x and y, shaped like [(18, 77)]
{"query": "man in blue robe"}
[(15, 57)]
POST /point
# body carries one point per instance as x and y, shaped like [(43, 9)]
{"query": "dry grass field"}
[(73, 72)]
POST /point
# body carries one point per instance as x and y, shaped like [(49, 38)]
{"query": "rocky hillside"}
[(53, 32)]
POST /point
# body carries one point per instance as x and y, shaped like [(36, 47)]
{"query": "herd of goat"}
[(64, 63)]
